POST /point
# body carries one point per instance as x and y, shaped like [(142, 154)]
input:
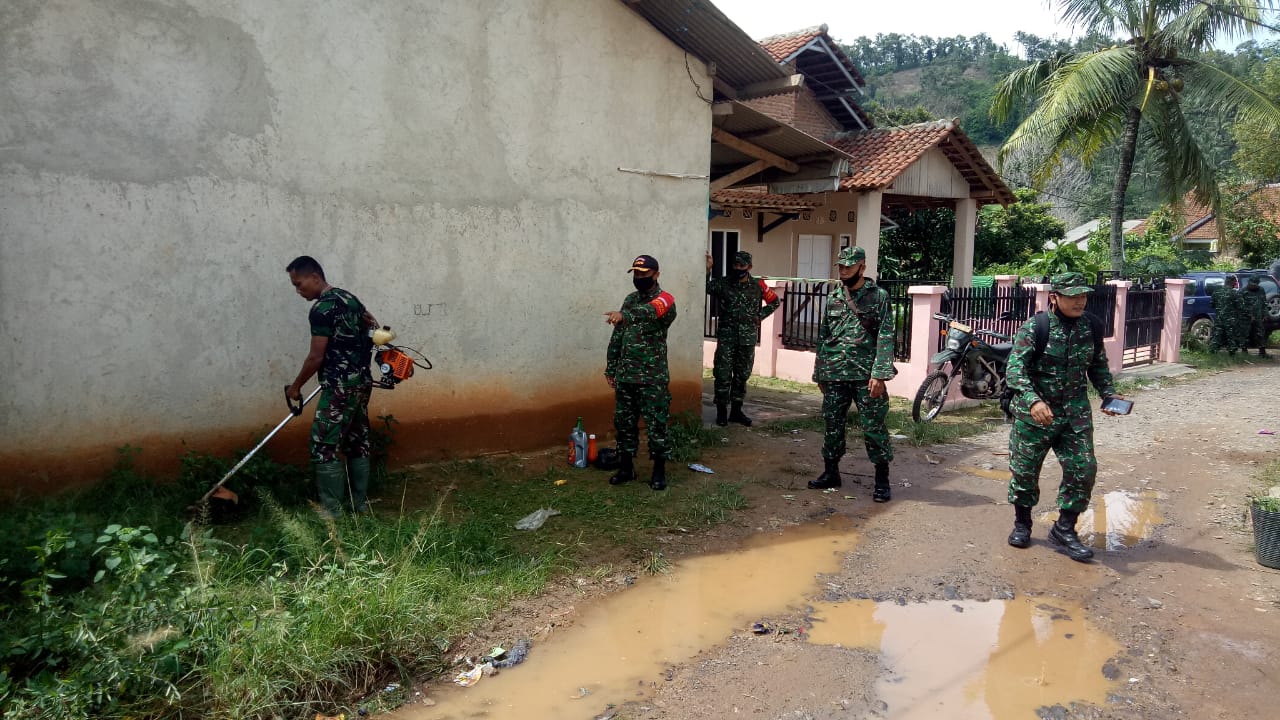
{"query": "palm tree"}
[(1133, 92)]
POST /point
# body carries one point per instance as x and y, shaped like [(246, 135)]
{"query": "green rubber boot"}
[(331, 485), (358, 470)]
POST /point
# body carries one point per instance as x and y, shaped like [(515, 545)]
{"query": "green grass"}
[(949, 426), (286, 615)]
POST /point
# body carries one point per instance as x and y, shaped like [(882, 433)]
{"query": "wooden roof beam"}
[(737, 176), (752, 150)]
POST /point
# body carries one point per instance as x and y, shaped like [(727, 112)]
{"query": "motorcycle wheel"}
[(930, 397)]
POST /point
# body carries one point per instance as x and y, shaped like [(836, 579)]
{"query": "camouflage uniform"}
[(342, 415), (637, 364), (1230, 322), (855, 344), (738, 329), (1058, 378), (1254, 302)]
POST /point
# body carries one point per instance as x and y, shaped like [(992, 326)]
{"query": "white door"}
[(813, 256)]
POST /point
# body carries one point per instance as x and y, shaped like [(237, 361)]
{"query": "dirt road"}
[(931, 613)]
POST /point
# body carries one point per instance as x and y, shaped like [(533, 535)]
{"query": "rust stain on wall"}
[(431, 425)]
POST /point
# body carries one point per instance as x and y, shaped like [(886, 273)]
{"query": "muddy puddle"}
[(618, 647), (1117, 520), (996, 660)]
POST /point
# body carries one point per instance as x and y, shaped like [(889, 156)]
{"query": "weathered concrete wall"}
[(452, 163)]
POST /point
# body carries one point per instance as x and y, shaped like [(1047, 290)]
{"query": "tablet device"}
[(1117, 405)]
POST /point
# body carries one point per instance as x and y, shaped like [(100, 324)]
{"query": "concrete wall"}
[(776, 256), (453, 163)]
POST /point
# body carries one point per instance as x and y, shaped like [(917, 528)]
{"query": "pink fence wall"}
[(774, 360)]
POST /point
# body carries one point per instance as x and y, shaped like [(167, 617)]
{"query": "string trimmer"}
[(395, 366)]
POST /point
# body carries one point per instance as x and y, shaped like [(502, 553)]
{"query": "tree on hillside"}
[(1257, 152), (1089, 100)]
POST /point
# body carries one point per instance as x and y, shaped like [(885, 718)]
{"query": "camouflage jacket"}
[(1061, 375), (855, 343), (638, 346), (339, 316), (740, 312), (1255, 304)]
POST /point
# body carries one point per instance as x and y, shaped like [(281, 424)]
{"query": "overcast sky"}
[(848, 19)]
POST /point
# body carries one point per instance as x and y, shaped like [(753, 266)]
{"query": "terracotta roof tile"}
[(761, 198), (780, 47), (882, 154)]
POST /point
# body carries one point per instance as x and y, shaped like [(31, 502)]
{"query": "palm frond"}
[(1202, 24), (1021, 85), (1079, 100), (1167, 138), (1106, 17), (1218, 89)]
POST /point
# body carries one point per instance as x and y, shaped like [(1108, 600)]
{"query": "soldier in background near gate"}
[(737, 331), (1229, 319), (1254, 301)]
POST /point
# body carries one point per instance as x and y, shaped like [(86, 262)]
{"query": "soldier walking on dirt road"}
[(1051, 411)]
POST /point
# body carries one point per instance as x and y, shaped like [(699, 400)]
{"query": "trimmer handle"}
[(295, 409)]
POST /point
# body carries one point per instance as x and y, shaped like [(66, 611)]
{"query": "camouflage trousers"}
[(837, 396), (732, 368), (1030, 443), (341, 423), (651, 401)]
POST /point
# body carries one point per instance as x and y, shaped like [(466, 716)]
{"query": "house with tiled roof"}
[(795, 225), (1199, 228)]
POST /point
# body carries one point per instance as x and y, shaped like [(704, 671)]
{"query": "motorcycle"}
[(980, 366)]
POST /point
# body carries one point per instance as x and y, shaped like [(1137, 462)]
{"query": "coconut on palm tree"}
[(1132, 93)]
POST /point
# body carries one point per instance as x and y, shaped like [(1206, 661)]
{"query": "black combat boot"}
[(722, 415), (735, 415), (1021, 535), (830, 478), (1063, 533), (881, 493), (658, 480), (626, 472)]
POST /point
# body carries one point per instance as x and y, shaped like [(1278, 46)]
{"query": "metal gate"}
[(1143, 323)]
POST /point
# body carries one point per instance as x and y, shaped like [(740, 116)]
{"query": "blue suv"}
[(1197, 308)]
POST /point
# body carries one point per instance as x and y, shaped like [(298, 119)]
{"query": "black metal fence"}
[(803, 302), (997, 309), (1102, 305), (1143, 323)]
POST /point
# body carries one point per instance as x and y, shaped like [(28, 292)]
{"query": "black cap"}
[(644, 262)]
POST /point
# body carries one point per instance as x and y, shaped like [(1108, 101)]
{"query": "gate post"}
[(770, 335), (925, 301), (1175, 291), (1114, 345), (1042, 295)]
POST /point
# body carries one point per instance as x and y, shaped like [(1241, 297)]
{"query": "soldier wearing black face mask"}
[(636, 369), (737, 331)]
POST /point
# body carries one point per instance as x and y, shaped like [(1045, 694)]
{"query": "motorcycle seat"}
[(1003, 348)]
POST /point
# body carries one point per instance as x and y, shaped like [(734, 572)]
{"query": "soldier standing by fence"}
[(737, 331), (1254, 301), (855, 358)]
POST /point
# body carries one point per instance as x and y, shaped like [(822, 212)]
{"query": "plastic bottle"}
[(592, 452), (578, 446)]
